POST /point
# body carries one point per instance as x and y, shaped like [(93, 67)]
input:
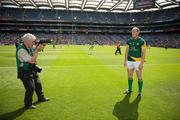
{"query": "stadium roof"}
[(88, 5)]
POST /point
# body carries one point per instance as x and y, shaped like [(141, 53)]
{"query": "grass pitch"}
[(90, 87)]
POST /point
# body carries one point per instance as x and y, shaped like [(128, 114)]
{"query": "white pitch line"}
[(72, 66)]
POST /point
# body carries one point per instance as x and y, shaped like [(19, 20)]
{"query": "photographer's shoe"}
[(43, 100), (30, 107)]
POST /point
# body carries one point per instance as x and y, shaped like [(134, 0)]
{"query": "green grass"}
[(90, 87)]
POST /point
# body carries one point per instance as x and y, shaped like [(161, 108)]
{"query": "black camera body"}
[(44, 41), (36, 68)]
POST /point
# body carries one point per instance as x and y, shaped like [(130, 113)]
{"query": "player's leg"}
[(130, 78), (116, 51), (130, 71), (120, 51), (140, 81)]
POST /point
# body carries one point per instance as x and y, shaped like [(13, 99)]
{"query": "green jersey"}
[(135, 48)]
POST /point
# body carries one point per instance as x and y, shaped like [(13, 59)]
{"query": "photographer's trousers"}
[(31, 82)]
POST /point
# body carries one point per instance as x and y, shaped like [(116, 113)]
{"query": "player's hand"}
[(140, 66), (39, 48)]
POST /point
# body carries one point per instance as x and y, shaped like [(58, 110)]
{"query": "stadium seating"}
[(82, 27)]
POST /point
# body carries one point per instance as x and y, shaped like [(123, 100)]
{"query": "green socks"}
[(140, 85), (130, 82)]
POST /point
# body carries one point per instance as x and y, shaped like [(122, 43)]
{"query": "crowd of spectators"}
[(158, 39)]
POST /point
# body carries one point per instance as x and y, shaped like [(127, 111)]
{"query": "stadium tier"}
[(84, 27), (89, 17)]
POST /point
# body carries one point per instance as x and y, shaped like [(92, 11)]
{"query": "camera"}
[(47, 41), (36, 68)]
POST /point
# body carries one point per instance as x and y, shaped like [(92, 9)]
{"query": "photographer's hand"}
[(37, 50), (44, 44)]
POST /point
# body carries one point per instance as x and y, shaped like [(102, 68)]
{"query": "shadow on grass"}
[(124, 110), (14, 114)]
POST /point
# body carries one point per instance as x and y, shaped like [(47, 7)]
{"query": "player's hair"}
[(136, 28), (27, 36)]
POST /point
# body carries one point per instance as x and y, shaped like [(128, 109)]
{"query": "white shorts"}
[(133, 65)]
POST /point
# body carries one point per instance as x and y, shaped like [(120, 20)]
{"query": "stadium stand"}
[(159, 28)]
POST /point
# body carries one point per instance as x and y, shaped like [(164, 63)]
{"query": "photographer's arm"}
[(25, 57), (34, 57)]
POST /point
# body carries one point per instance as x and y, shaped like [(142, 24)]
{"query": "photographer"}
[(26, 57)]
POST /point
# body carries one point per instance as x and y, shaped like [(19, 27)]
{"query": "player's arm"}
[(126, 55), (143, 53)]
